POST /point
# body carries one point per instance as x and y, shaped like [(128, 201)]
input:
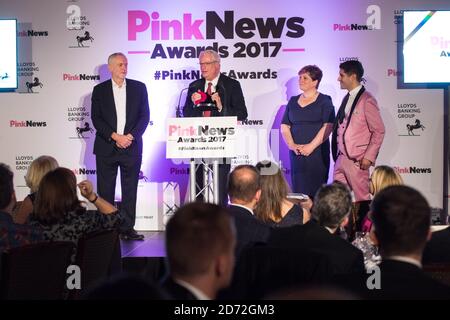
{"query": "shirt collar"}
[(116, 86), (355, 91), (240, 205), (196, 292), (405, 259), (214, 81)]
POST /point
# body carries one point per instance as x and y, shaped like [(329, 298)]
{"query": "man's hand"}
[(365, 164), (122, 141), (196, 96), (216, 98)]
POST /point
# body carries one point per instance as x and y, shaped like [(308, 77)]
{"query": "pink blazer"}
[(365, 133)]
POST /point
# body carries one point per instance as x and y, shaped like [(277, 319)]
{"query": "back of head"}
[(332, 204), (353, 67), (401, 218), (274, 189), (6, 186), (37, 169), (57, 195), (195, 236), (243, 183), (382, 177)]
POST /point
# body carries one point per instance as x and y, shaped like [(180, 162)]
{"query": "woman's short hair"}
[(384, 176), (314, 72), (37, 169)]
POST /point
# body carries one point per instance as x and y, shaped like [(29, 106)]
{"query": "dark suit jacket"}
[(343, 256), (437, 249), (104, 117), (230, 93), (402, 280), (176, 291), (249, 230)]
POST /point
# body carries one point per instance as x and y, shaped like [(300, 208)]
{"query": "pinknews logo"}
[(189, 28), (84, 171), (32, 33), (351, 27), (393, 73), (26, 123), (178, 131), (440, 42), (80, 77), (411, 170)]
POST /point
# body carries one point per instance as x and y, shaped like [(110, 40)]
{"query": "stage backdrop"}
[(64, 45)]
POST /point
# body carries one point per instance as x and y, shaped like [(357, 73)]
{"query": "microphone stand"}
[(179, 113)]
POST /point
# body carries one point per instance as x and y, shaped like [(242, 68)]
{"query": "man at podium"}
[(214, 95)]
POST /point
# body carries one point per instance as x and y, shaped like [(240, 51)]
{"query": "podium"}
[(205, 142)]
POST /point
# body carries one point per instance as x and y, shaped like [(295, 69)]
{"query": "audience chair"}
[(35, 272), (439, 272), (96, 253)]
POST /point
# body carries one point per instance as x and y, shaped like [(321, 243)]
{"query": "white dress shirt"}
[(120, 100), (351, 98), (214, 84)]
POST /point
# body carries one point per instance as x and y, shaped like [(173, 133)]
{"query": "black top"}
[(293, 217)]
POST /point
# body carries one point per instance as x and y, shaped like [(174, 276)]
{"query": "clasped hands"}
[(214, 97), (303, 149), (123, 141)]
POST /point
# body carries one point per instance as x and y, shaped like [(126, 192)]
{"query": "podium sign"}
[(211, 137)]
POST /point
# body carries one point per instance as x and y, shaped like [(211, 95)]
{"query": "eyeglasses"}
[(207, 63)]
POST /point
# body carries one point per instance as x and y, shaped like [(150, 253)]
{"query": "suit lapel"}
[(355, 102), (111, 102), (128, 103)]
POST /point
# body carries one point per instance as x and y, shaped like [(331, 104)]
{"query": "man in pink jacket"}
[(358, 132)]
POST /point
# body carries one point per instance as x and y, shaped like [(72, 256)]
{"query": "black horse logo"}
[(86, 128), (86, 37), (5, 76), (35, 83), (415, 126), (142, 176)]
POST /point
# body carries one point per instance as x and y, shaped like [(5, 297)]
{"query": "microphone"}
[(178, 112)]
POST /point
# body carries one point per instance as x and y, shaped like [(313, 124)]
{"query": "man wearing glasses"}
[(228, 97)]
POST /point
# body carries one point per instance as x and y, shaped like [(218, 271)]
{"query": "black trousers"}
[(129, 175), (224, 170)]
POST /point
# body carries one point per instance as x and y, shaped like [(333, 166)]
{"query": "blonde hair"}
[(384, 176), (37, 170), (274, 189)]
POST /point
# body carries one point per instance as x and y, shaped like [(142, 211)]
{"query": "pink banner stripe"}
[(138, 52), (294, 50)]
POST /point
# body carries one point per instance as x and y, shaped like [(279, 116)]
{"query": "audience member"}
[(437, 249), (382, 177), (11, 234), (62, 216), (200, 243), (127, 287), (273, 207), (401, 227), (37, 169), (244, 190), (330, 211)]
